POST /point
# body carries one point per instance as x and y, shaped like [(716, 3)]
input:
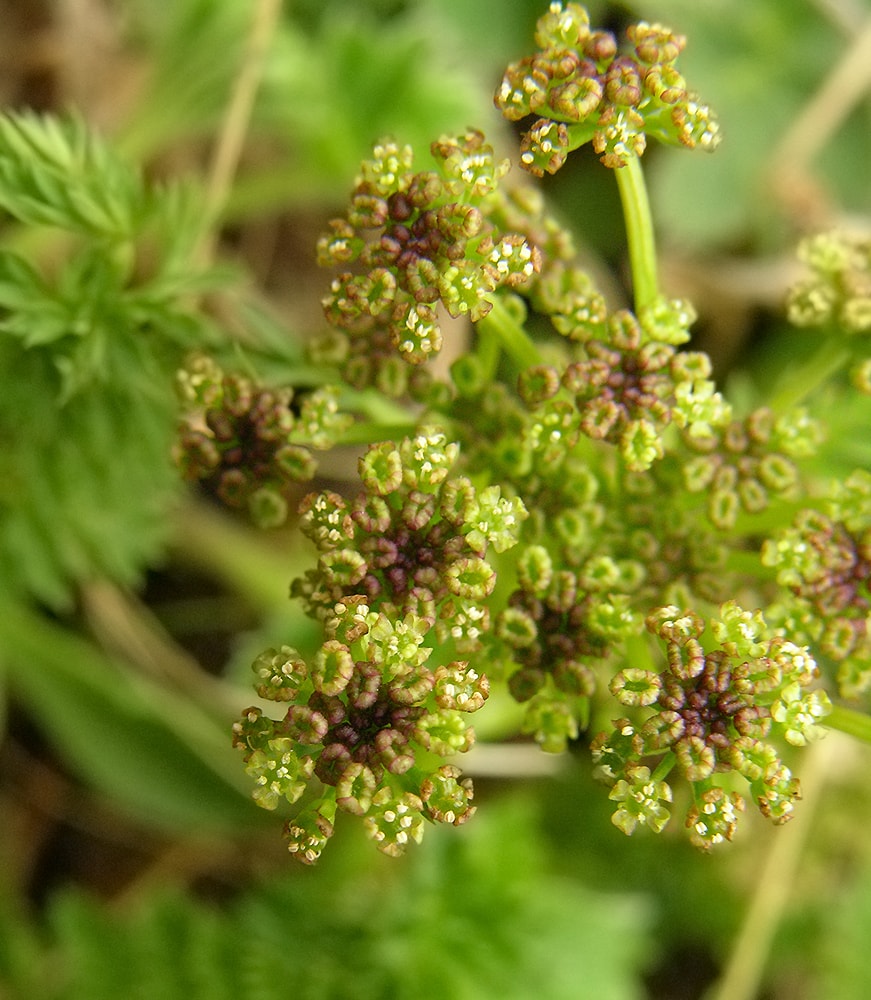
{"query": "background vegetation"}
[(135, 863)]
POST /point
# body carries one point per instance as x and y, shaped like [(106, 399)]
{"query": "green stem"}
[(825, 362), (639, 232), (511, 335), (851, 722), (664, 767), (371, 433), (488, 351)]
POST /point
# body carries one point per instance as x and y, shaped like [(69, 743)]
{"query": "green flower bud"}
[(420, 337), (695, 758), (460, 687), (516, 627), (714, 817), (612, 617), (458, 502), (344, 567), (280, 674), (497, 520), (572, 526), (470, 577), (387, 170), (799, 714), (752, 758), (661, 731), (537, 384), (535, 569), (599, 573), (563, 28), (723, 506), (445, 799), (332, 667), (445, 732), (640, 445), (411, 686), (551, 722), (640, 800), (753, 495), (699, 472), (380, 468), (394, 821), (307, 835), (777, 473), (279, 772), (839, 638), (469, 375), (698, 408), (267, 507), (668, 321), (355, 788), (742, 634), (418, 510), (563, 591), (295, 463), (545, 147), (426, 459), (776, 793), (574, 678), (635, 687)]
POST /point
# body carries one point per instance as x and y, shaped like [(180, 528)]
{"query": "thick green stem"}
[(639, 232), (488, 346), (664, 767), (511, 335), (851, 722)]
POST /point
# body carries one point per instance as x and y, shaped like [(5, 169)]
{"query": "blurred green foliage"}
[(480, 914)]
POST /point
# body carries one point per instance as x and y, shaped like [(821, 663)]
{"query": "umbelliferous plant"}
[(554, 496), (573, 510)]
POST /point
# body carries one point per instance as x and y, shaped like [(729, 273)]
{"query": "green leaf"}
[(161, 757), (57, 173)]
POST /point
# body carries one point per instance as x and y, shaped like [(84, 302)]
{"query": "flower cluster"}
[(824, 560), (707, 713), (630, 383), (584, 89), (401, 569), (418, 240), (247, 443), (748, 461), (622, 476), (560, 621), (414, 539), (839, 289)]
